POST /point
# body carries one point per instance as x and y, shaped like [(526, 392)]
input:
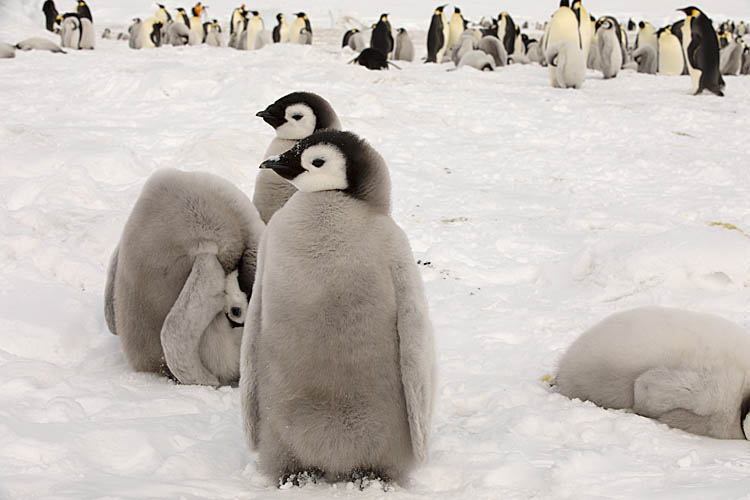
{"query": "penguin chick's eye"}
[(297, 117), (318, 162)]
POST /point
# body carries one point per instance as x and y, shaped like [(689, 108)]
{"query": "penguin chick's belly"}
[(220, 349), (330, 348)]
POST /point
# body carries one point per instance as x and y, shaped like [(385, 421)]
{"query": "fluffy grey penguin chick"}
[(687, 370), (178, 281), (38, 43), (293, 117), (570, 68), (7, 51), (338, 364)]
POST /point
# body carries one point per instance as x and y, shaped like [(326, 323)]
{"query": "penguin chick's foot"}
[(365, 478), (300, 478)]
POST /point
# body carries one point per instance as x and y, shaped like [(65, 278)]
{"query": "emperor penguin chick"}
[(610, 55), (293, 117), (167, 295), (688, 370), (568, 69), (338, 362)]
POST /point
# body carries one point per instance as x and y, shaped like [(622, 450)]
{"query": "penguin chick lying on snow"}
[(37, 43), (171, 293), (7, 51), (687, 370)]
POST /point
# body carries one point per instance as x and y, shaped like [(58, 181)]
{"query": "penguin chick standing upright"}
[(687, 370), (437, 42), (382, 38), (610, 55), (564, 27), (404, 50), (701, 47), (566, 65), (293, 117), (337, 363)]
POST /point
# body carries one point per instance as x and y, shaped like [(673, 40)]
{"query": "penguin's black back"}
[(703, 54), (435, 37), (372, 59), (381, 38), (50, 14)]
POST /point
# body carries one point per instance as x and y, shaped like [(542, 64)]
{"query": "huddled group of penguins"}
[(308, 297)]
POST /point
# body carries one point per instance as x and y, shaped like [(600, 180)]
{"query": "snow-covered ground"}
[(537, 211)]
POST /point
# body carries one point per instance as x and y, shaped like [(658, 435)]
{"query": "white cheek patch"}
[(297, 129), (235, 305), (330, 176)]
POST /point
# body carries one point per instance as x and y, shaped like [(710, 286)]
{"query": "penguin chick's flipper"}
[(201, 299), (416, 349), (660, 390), (248, 379), (109, 292)]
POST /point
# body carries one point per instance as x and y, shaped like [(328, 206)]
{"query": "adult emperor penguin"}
[(685, 369), (293, 117), (300, 22), (150, 33), (196, 23), (253, 27), (163, 14), (348, 36), (646, 36), (281, 30), (183, 17), (701, 49), (670, 56), (564, 27), (50, 14), (358, 42), (584, 27), (83, 11), (237, 20), (455, 27), (404, 50), (437, 42), (608, 46), (381, 38), (166, 293), (506, 32), (340, 381)]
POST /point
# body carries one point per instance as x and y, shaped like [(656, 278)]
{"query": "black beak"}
[(283, 169), (270, 118)]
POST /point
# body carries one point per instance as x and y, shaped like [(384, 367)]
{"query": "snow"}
[(535, 212)]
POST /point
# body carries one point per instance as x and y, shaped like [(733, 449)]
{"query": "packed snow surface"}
[(534, 212)]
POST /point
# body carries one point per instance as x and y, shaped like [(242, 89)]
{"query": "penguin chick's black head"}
[(275, 114), (336, 160)]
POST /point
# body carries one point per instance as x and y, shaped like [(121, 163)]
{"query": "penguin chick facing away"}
[(178, 278), (688, 370), (338, 364), (293, 117), (567, 62)]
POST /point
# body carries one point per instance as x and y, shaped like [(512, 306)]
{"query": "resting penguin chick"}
[(646, 58), (687, 370), (404, 50), (567, 62), (37, 43), (463, 45), (7, 51), (293, 117), (477, 59), (494, 47), (186, 233), (610, 55), (701, 51), (304, 37), (180, 35), (337, 364)]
